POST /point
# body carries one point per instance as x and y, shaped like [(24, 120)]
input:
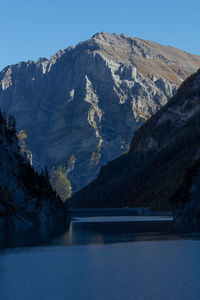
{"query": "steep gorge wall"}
[(160, 153)]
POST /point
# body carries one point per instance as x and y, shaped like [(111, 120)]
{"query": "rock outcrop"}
[(186, 201), (85, 103), (161, 151), (26, 198)]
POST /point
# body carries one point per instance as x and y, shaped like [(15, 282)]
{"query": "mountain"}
[(161, 151), (186, 201), (81, 107), (26, 198)]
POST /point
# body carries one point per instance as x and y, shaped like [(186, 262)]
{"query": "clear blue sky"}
[(38, 28)]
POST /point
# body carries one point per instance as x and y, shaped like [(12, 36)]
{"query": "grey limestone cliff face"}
[(86, 102), (161, 152)]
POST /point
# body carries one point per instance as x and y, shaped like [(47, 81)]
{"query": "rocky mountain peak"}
[(86, 102), (141, 52)]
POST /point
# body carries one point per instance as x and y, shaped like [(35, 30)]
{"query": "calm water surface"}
[(103, 258)]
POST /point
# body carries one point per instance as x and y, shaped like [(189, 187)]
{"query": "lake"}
[(103, 257)]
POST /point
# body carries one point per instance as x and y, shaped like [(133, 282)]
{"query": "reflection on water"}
[(95, 230), (111, 232), (37, 236), (115, 270)]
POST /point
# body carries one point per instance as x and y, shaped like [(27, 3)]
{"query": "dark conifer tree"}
[(12, 124)]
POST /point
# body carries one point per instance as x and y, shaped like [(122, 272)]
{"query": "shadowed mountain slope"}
[(81, 107), (160, 153), (26, 198)]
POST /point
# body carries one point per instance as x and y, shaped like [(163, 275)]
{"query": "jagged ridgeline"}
[(84, 103), (26, 197), (161, 151)]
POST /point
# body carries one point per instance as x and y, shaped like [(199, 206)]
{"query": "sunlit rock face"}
[(161, 170), (86, 102)]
